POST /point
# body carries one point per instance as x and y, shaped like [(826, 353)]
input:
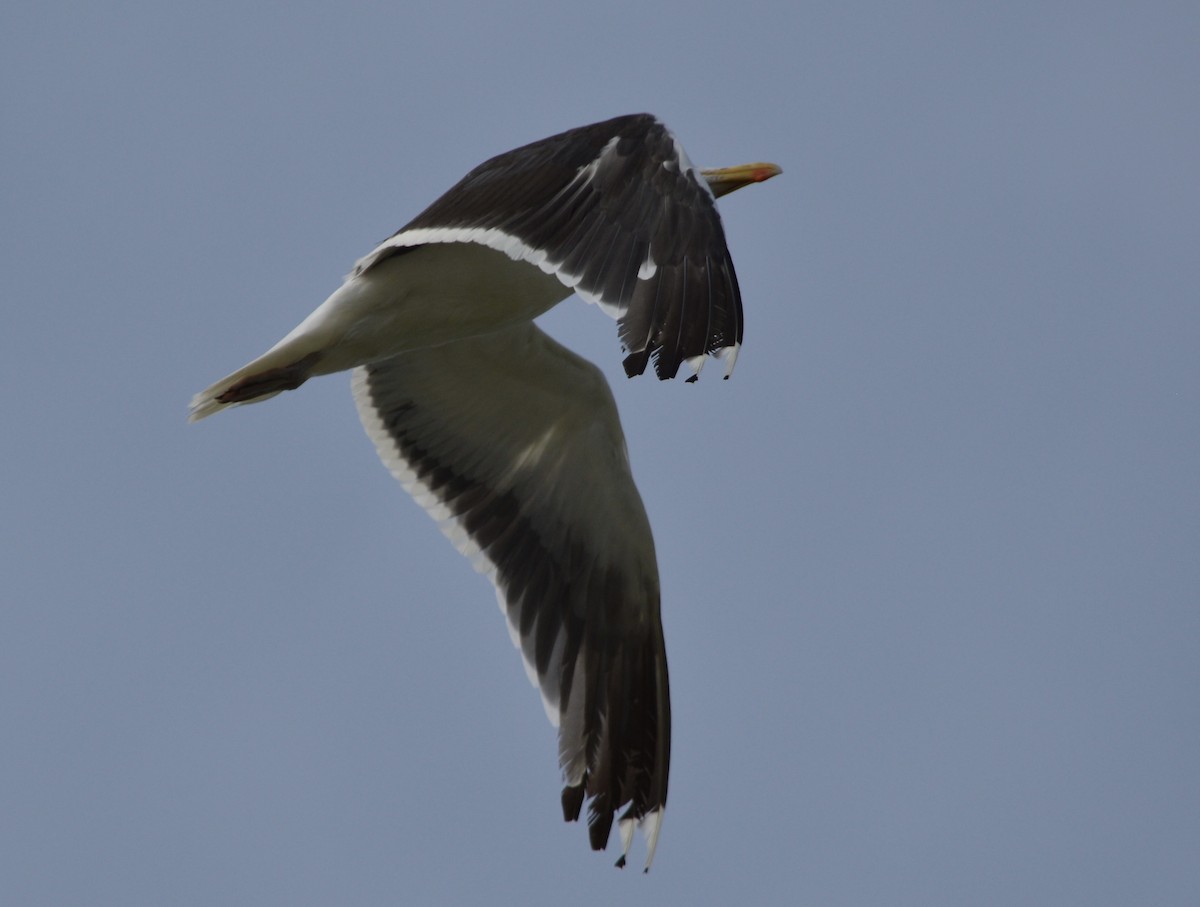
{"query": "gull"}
[(511, 442)]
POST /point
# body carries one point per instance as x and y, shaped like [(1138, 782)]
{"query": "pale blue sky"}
[(929, 559)]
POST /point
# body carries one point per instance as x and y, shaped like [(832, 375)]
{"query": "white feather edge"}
[(495, 238), (651, 826)]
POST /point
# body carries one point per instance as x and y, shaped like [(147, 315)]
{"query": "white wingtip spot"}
[(729, 354), (626, 827), (651, 825)]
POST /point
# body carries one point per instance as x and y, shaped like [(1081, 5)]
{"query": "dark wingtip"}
[(572, 802), (599, 825), (635, 363)]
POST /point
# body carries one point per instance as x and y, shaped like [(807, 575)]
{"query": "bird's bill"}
[(723, 180)]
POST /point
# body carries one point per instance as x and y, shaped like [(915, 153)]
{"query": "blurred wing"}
[(617, 212), (512, 443)]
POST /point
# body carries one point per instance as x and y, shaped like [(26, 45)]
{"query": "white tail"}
[(272, 373), (205, 403)]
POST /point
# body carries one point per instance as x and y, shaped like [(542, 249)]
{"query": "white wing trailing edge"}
[(513, 445)]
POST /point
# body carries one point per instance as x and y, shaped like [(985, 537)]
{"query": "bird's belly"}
[(431, 295), (458, 290)]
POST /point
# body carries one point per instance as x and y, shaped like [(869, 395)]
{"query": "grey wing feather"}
[(513, 444)]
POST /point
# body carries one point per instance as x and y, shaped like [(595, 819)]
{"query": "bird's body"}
[(432, 295), (511, 441)]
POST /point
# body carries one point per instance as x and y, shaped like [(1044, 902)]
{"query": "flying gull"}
[(511, 442)]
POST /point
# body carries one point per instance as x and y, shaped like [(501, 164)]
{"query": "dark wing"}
[(512, 443), (618, 213)]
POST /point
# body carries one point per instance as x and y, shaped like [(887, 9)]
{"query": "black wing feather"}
[(605, 203)]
